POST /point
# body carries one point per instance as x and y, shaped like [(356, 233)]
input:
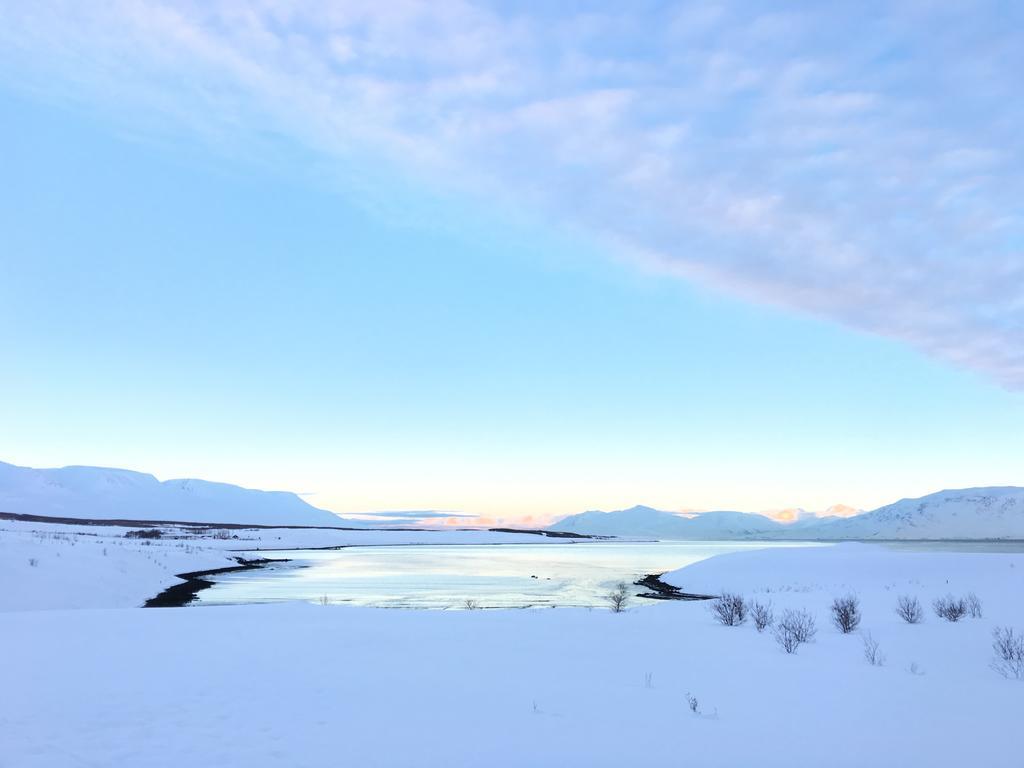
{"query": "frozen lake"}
[(446, 576)]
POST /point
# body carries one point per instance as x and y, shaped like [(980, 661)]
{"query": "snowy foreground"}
[(306, 685)]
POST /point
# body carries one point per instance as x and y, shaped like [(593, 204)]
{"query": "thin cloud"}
[(858, 163), (414, 515)]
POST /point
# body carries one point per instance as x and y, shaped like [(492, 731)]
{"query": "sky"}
[(517, 260)]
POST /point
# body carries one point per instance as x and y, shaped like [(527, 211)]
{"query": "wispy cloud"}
[(860, 162), (416, 515)]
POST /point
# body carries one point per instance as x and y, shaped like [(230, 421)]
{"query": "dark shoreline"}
[(662, 591), (180, 595)]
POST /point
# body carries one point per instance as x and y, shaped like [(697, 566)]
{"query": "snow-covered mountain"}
[(646, 522), (971, 513), (120, 494)]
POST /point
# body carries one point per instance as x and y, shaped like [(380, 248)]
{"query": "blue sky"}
[(459, 257)]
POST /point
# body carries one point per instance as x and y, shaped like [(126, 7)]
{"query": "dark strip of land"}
[(552, 534), (660, 590), (151, 523), (179, 595), (127, 523)]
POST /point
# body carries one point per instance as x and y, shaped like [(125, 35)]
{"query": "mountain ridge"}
[(981, 513), (81, 491)]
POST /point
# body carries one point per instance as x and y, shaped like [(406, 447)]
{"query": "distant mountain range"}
[(120, 494), (970, 513), (653, 523)]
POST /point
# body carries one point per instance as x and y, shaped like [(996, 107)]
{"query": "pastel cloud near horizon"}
[(795, 514), (415, 515), (857, 162)]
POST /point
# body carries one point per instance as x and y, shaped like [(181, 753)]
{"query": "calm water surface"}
[(445, 576)]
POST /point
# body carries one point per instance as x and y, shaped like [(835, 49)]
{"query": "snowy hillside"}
[(645, 522), (970, 513), (100, 493)]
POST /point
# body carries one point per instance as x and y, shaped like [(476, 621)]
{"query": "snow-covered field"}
[(305, 685)]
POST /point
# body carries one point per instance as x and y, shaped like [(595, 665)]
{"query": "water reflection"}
[(441, 577)]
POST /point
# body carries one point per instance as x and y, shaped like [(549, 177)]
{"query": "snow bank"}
[(876, 570)]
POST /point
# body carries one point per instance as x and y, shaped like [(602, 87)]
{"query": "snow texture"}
[(303, 685)]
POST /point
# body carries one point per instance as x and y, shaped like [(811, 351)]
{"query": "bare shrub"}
[(471, 605), (692, 703), (950, 608), (795, 628), (846, 613), (871, 652), (909, 609), (801, 624), (618, 598), (1009, 653), (762, 615), (729, 609), (324, 600), (786, 639), (973, 605), (33, 561)]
